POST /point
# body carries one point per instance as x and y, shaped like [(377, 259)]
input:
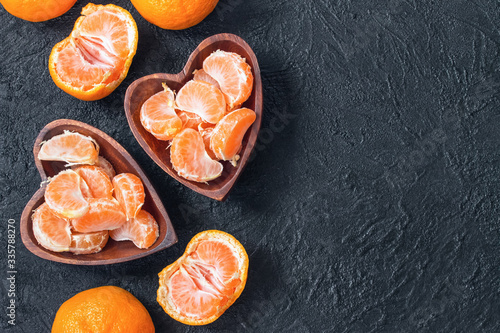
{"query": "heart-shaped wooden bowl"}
[(140, 90), (113, 252)]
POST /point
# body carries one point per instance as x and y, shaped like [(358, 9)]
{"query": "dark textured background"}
[(371, 205)]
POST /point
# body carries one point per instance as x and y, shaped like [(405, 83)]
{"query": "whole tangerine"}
[(37, 10)]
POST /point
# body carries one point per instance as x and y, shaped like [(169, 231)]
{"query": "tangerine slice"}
[(142, 230), (103, 214), (129, 191), (85, 189), (206, 280), (64, 196), (189, 120), (97, 180), (96, 57), (70, 147), (158, 115), (203, 99), (51, 232), (206, 130), (229, 132), (87, 243), (106, 166), (201, 75), (190, 159), (232, 73)]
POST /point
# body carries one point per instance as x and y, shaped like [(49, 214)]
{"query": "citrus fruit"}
[(203, 99), (227, 135), (97, 180), (88, 243), (189, 120), (103, 214), (174, 14), (51, 232), (206, 280), (142, 230), (64, 196), (85, 189), (232, 73), (107, 309), (129, 191), (190, 159), (206, 130), (37, 10), (201, 75), (95, 58), (70, 147), (158, 115), (106, 166)]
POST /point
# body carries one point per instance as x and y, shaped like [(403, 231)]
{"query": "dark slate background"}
[(371, 205)]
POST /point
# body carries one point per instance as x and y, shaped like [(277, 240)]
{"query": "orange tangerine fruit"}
[(107, 309), (85, 189), (97, 180), (70, 147), (201, 75), (88, 243), (206, 130), (174, 14), (142, 230), (203, 99), (190, 159), (106, 166), (129, 191), (206, 280), (51, 232), (189, 120), (103, 214), (228, 134), (96, 57), (232, 73), (37, 10), (158, 115), (64, 196)]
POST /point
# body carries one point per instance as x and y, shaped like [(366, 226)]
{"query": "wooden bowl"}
[(113, 252), (140, 90)]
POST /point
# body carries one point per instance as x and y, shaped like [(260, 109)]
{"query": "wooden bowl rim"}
[(25, 222), (221, 193)]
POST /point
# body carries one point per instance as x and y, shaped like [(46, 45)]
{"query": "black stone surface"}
[(372, 203)]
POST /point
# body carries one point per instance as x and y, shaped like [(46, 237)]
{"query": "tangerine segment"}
[(232, 73), (70, 147), (206, 280), (85, 189), (190, 159), (51, 232), (37, 10), (129, 191), (158, 115), (96, 57), (64, 196), (189, 120), (106, 166), (87, 243), (203, 99), (229, 132), (97, 180), (201, 75), (206, 131), (104, 214), (142, 230)]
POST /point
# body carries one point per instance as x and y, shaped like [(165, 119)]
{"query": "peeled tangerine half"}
[(158, 115), (211, 274), (70, 147), (190, 159), (64, 196), (142, 230), (87, 243), (51, 232), (96, 57), (203, 99), (226, 137)]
